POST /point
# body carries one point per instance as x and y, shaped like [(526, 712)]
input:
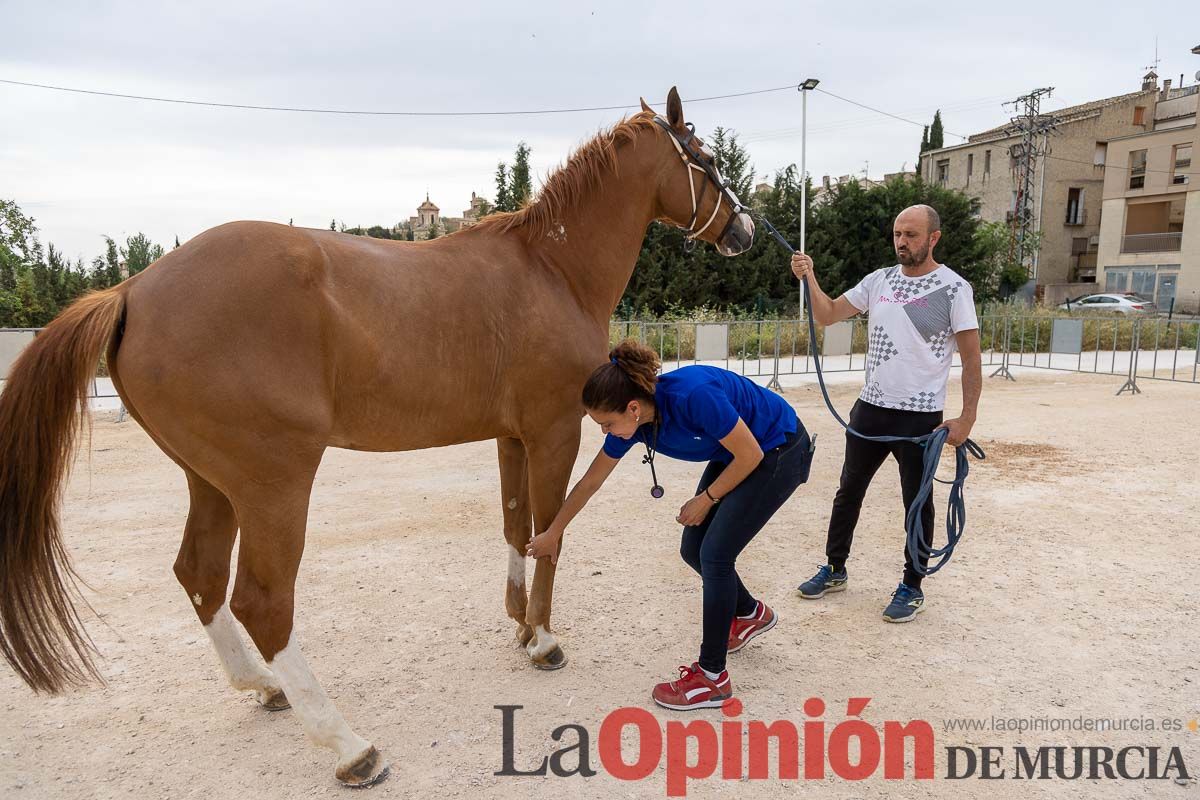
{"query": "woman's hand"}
[(543, 545), (694, 511)]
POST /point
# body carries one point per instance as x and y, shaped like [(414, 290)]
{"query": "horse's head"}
[(692, 193)]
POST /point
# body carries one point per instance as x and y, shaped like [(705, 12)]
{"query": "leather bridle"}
[(696, 161)]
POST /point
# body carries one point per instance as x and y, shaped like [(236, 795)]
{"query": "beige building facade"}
[(1067, 182), (1150, 231)]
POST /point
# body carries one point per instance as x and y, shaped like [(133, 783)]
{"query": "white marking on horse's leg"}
[(197, 600), (243, 669), (322, 721), (512, 504), (542, 643), (516, 567)]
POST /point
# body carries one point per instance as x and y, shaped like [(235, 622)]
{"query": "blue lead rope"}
[(956, 511)]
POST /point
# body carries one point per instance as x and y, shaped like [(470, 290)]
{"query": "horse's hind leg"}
[(202, 568), (518, 524), (272, 516)]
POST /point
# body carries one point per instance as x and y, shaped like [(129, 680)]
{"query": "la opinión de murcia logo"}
[(737, 749)]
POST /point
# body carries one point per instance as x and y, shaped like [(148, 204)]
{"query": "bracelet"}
[(715, 500)]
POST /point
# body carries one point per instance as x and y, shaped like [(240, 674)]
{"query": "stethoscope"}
[(656, 491)]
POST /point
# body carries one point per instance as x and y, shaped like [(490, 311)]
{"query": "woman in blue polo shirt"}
[(757, 453)]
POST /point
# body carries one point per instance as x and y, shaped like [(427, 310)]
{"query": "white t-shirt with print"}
[(911, 327)]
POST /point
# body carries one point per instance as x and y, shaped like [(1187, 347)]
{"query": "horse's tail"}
[(40, 416)]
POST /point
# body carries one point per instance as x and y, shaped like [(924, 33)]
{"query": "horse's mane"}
[(583, 171)]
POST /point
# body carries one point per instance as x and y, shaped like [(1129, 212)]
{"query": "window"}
[(970, 165), (1183, 164), (1079, 245), (1098, 156), (1115, 281), (1143, 283), (943, 171), (1075, 215), (1137, 169), (1166, 289), (1139, 115), (987, 162)]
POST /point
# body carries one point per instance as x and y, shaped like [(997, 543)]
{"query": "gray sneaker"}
[(826, 580), (906, 603)]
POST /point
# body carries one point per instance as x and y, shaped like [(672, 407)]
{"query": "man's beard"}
[(912, 258)]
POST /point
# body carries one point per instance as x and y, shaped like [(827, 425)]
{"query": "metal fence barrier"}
[(14, 340), (1134, 347)]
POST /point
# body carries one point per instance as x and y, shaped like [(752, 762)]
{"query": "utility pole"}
[(1034, 128)]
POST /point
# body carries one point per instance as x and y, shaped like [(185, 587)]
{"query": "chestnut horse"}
[(255, 346)]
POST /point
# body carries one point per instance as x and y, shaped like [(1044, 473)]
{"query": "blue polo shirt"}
[(697, 406)]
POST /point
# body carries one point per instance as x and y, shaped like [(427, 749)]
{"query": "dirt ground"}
[(1072, 594)]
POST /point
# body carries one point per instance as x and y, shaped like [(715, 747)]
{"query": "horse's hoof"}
[(555, 659), (273, 699), (524, 634), (366, 770)]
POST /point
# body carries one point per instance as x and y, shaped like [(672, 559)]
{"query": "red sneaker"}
[(693, 690), (743, 630)]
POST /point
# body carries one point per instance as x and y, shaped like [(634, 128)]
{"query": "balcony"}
[(1076, 217), (1084, 268), (1152, 243)]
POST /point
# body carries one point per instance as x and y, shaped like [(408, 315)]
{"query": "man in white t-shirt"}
[(919, 313)]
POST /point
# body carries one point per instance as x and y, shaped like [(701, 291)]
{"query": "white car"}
[(1119, 303)]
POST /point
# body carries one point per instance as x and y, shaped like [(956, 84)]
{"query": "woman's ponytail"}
[(630, 374)]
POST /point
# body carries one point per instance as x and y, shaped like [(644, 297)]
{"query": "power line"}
[(373, 113), (850, 124), (763, 136), (964, 105), (879, 111), (1114, 166)]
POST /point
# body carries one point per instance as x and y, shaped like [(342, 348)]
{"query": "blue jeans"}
[(711, 547)]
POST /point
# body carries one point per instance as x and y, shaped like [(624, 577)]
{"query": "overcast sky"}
[(85, 166)]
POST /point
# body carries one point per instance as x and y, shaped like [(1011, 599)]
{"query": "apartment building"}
[(1068, 179)]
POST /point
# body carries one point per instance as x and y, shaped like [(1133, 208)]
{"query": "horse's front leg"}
[(518, 521), (551, 453)]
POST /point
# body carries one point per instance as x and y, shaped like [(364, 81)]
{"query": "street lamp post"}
[(804, 88)]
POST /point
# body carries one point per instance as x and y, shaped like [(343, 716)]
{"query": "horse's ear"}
[(645, 107), (674, 109)]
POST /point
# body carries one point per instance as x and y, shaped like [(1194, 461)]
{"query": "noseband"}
[(694, 160)]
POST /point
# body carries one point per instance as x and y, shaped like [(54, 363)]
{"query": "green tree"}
[(733, 161), (935, 131), (106, 269), (19, 246), (503, 195), (852, 233), (520, 183), (435, 230), (139, 252), (999, 272), (380, 232)]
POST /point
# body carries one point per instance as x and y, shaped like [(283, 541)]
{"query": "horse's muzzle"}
[(738, 237)]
